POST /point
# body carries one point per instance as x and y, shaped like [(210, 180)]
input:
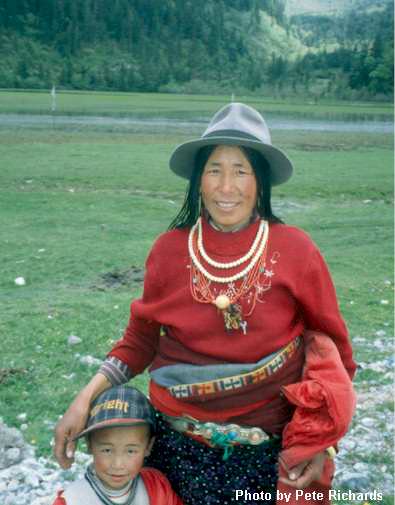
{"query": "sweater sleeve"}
[(138, 345), (116, 371), (320, 309), (159, 488)]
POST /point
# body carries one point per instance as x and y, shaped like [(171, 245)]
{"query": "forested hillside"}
[(194, 46), (331, 7), (354, 50)]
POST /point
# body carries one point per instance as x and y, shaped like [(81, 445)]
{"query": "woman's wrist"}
[(116, 371), (97, 385)]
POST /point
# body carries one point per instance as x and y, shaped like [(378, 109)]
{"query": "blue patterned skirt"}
[(199, 475)]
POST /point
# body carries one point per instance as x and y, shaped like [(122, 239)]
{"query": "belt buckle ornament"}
[(234, 433)]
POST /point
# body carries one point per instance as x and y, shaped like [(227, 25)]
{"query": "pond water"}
[(195, 126)]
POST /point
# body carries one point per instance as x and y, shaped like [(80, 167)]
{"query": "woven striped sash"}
[(182, 391)]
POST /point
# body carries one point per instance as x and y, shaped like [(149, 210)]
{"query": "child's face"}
[(118, 453)]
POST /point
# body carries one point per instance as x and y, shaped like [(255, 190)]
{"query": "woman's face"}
[(229, 187)]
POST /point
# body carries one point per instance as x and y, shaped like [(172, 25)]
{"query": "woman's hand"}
[(68, 427), (74, 420), (302, 475)]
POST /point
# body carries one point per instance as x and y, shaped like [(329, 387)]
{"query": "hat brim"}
[(113, 423), (182, 160)]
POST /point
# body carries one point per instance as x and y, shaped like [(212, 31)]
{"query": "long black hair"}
[(190, 209)]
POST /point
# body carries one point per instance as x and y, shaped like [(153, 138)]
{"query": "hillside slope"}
[(330, 7), (200, 46)]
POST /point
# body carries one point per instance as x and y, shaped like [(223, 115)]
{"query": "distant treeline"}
[(193, 45)]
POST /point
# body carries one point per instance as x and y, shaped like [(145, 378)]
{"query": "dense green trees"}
[(362, 61), (192, 45)]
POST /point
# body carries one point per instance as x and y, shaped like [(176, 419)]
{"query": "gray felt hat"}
[(239, 125)]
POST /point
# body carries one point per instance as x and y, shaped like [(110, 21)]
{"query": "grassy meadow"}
[(178, 106), (79, 209)]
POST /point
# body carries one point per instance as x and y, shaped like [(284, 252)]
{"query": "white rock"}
[(22, 416), (13, 455), (13, 485), (14, 471), (82, 458), (69, 377), (90, 360), (73, 340), (31, 464), (377, 367), (42, 492), (51, 477), (368, 422), (32, 480), (361, 467), (384, 302), (20, 281), (358, 339), (378, 343), (42, 501), (347, 445)]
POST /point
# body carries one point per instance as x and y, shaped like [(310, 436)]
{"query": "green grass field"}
[(81, 208), (170, 105)]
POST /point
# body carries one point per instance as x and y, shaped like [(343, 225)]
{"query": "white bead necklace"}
[(239, 275), (231, 264)]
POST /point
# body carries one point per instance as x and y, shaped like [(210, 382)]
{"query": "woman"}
[(230, 295)]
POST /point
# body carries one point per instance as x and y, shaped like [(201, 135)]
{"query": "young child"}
[(120, 434)]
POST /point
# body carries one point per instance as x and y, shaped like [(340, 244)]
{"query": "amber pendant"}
[(233, 318)]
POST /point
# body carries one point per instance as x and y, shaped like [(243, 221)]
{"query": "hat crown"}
[(239, 120), (119, 406)]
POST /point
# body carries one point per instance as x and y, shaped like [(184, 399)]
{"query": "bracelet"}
[(331, 452)]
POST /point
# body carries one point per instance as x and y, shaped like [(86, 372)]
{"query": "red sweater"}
[(301, 296)]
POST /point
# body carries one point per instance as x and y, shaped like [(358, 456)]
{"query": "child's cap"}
[(119, 406)]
